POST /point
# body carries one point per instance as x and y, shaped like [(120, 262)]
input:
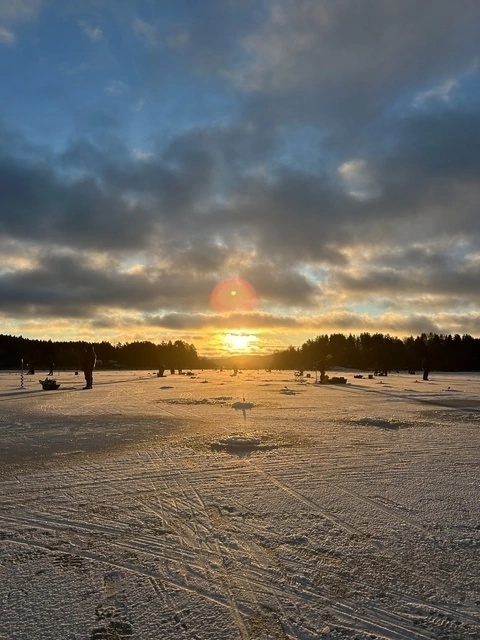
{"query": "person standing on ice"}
[(426, 368), (320, 367), (88, 365)]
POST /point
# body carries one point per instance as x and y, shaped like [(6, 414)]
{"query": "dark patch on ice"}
[(381, 423), (114, 630), (245, 443), (112, 624), (288, 392), (194, 401), (472, 404), (242, 406), (31, 446)]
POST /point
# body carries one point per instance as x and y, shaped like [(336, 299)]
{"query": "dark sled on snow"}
[(333, 380), (49, 385)]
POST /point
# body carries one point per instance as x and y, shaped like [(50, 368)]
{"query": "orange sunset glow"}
[(240, 342)]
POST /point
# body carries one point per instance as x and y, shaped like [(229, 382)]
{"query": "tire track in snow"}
[(405, 633), (381, 622), (236, 574), (405, 598), (155, 494), (213, 596), (222, 552), (378, 621), (390, 511), (338, 522), (264, 579), (392, 625)]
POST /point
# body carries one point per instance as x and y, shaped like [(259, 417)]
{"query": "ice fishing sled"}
[(333, 380), (49, 384)]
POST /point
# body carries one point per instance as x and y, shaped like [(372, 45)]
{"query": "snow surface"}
[(260, 505)]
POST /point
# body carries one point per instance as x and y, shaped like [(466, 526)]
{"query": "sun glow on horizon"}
[(239, 342)]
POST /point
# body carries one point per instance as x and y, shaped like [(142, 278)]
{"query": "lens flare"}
[(233, 294)]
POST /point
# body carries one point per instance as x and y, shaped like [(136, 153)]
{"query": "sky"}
[(242, 175)]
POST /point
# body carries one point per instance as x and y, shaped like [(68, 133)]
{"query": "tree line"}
[(365, 352), (384, 352), (41, 354)]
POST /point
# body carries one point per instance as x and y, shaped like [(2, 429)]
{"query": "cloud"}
[(442, 143), (77, 285), (358, 179), (178, 40), (328, 153), (440, 93), (42, 208), (6, 36), (267, 231), (145, 31), (142, 154), (14, 10), (339, 65), (93, 33), (116, 88)]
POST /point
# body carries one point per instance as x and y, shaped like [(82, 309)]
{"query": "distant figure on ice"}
[(426, 368), (50, 373), (161, 371), (320, 367), (88, 365), (31, 369)]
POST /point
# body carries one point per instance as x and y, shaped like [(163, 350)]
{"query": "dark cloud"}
[(369, 52), (39, 206), (418, 275), (74, 285), (445, 144)]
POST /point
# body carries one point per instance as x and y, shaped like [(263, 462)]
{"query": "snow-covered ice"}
[(257, 506)]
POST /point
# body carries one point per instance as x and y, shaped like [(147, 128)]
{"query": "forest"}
[(41, 354), (379, 352), (368, 352)]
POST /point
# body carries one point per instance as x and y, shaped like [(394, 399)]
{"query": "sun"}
[(243, 342)]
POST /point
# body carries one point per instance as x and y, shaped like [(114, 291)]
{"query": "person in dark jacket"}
[(426, 368), (320, 367), (88, 365)]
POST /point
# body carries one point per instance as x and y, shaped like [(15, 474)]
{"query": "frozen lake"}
[(256, 506)]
